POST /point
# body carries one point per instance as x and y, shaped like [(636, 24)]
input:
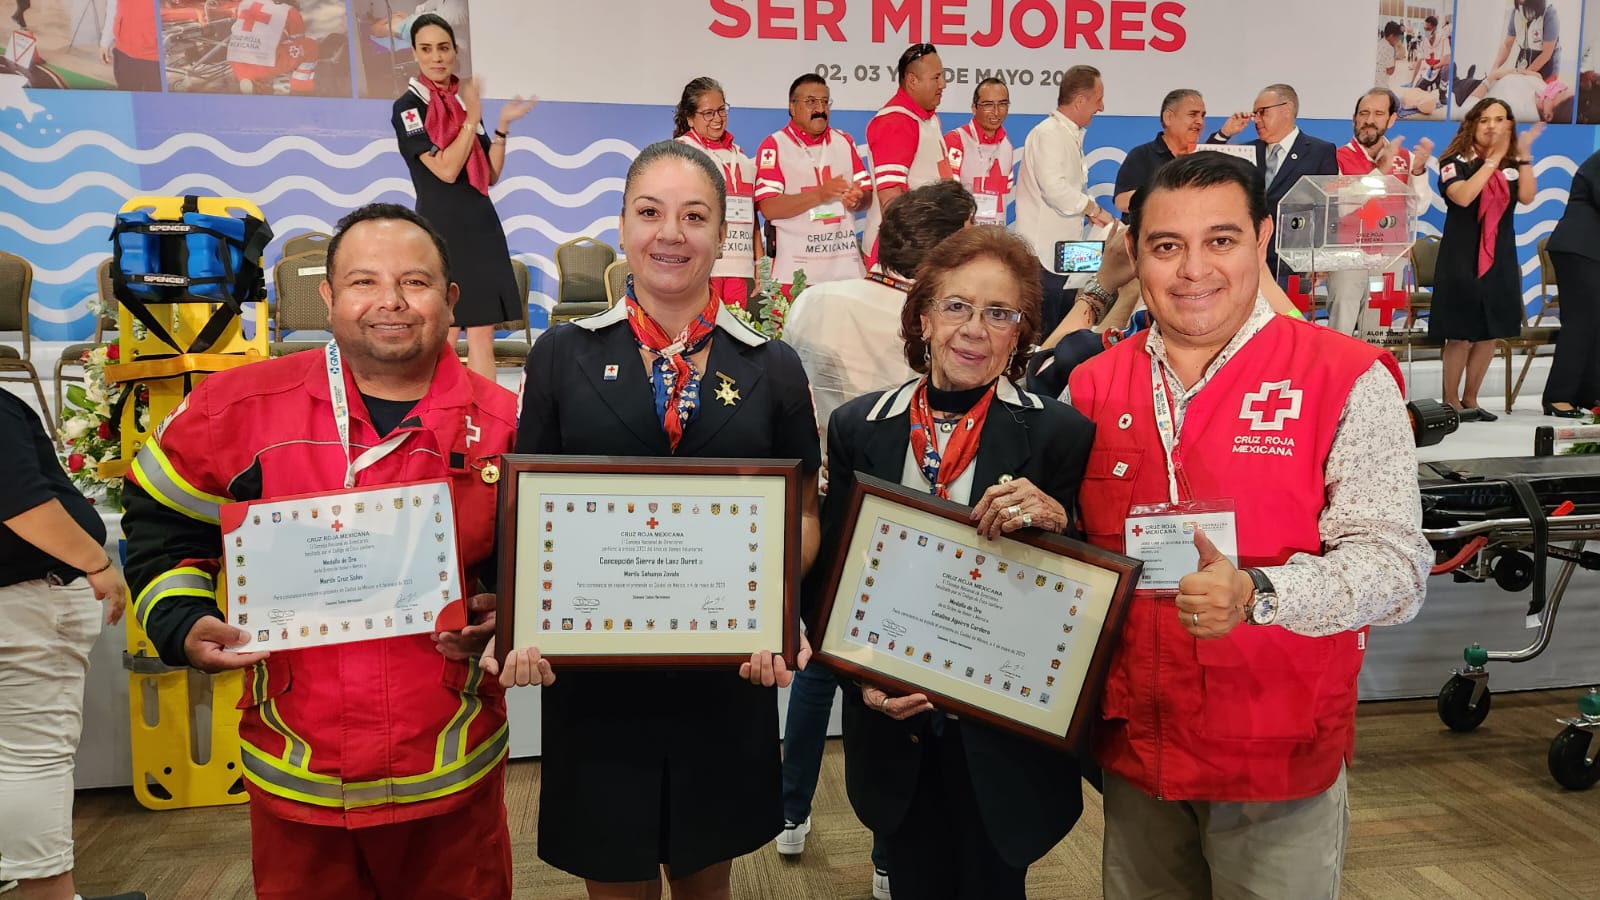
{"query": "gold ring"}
[(883, 707), (1196, 617)]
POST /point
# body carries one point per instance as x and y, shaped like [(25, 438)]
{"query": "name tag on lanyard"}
[(1163, 534)]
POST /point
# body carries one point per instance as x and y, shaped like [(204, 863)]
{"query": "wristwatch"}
[(1262, 607)]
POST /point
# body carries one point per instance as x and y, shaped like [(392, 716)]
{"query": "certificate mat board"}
[(645, 561), (340, 566), (1016, 632)]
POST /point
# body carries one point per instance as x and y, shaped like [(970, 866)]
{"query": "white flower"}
[(75, 427)]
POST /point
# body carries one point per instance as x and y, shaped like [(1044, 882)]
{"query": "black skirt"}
[(646, 769)]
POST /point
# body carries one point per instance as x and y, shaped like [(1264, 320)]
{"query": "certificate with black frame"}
[(1016, 632), (620, 562)]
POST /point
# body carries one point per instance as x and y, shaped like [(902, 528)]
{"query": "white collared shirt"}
[(1052, 186)]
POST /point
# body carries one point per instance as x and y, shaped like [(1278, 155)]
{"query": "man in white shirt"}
[(1052, 186), (1433, 53)]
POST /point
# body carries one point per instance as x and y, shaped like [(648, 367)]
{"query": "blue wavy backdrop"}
[(305, 162)]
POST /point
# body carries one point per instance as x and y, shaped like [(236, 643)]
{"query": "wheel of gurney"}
[(1567, 763), (1454, 709)]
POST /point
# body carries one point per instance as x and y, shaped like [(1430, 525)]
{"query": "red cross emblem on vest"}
[(253, 15), (1271, 405), (995, 182)]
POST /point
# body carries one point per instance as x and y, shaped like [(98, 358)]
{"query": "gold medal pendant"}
[(491, 473), (726, 392)]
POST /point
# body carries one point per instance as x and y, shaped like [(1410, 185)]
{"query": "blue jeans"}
[(804, 735)]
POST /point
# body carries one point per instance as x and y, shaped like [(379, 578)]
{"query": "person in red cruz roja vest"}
[(376, 768), (1228, 716)]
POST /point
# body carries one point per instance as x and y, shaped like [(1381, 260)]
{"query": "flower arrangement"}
[(769, 305), (88, 431), (1587, 446)]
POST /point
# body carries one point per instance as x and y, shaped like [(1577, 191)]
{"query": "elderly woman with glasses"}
[(701, 121), (964, 808)]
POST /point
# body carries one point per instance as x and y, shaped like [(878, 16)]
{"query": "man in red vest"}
[(1262, 468)]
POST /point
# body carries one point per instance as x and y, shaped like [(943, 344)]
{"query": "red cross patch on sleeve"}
[(412, 120)]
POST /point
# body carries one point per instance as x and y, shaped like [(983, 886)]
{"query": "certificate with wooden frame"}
[(1016, 632), (621, 562)]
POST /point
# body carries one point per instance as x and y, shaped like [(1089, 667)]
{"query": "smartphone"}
[(1074, 257)]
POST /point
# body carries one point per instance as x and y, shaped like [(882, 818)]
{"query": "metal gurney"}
[(1502, 520)]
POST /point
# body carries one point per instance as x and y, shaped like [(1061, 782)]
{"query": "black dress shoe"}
[(1465, 86), (1479, 414), (1571, 412), (1467, 414)]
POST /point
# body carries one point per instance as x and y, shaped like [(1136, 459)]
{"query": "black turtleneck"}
[(955, 403)]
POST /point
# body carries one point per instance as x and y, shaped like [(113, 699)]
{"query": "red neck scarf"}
[(676, 382), (942, 470), (443, 122), (1492, 203)]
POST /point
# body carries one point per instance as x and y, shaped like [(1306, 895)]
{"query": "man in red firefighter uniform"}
[(1228, 716), (375, 769)]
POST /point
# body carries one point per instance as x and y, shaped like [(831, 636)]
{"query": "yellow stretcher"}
[(184, 723)]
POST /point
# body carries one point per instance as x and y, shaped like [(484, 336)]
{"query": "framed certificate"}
[(1016, 632), (624, 562), (340, 566)]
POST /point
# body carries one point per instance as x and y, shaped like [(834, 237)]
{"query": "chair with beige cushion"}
[(617, 281), (581, 279), (299, 305), (310, 242), (16, 287), (106, 323)]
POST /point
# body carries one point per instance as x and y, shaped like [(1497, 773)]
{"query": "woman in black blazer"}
[(1574, 383), (664, 773), (965, 808)]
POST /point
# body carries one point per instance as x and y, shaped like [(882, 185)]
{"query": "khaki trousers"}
[(1161, 849)]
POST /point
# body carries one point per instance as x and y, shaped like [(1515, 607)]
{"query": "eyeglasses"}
[(990, 106), (1260, 111), (720, 112), (814, 102), (957, 311)]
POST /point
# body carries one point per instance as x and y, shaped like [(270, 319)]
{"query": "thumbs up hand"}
[(1211, 598)]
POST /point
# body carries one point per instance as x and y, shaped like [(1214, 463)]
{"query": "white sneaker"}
[(880, 885), (792, 841)]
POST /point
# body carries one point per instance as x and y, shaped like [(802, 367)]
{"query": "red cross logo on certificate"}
[(1388, 301), (993, 183), (652, 522), (1278, 403), (253, 15), (976, 574), (338, 526), (1138, 530)]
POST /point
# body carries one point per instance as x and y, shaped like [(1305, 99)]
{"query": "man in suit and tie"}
[(1285, 153)]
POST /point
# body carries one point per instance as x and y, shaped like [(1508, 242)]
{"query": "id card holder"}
[(740, 210), (832, 211), (1162, 534), (991, 209)]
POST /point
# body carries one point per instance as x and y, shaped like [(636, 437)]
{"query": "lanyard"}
[(985, 160), (341, 420), (816, 164), (1166, 426)]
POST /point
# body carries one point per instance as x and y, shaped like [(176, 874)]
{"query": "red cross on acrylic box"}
[(1336, 223), (622, 562), (1016, 632), (341, 566)]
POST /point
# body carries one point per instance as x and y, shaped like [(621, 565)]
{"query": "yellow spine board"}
[(176, 763)]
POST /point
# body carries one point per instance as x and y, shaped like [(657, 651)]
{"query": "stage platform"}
[(1411, 660)]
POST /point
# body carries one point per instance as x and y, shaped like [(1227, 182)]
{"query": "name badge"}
[(828, 212), (991, 209), (741, 211), (1162, 534)]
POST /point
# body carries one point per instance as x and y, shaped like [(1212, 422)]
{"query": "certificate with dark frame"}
[(1016, 632), (622, 562)]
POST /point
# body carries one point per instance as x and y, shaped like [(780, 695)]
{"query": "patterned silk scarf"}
[(1492, 203), (941, 471), (443, 123), (677, 383)]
